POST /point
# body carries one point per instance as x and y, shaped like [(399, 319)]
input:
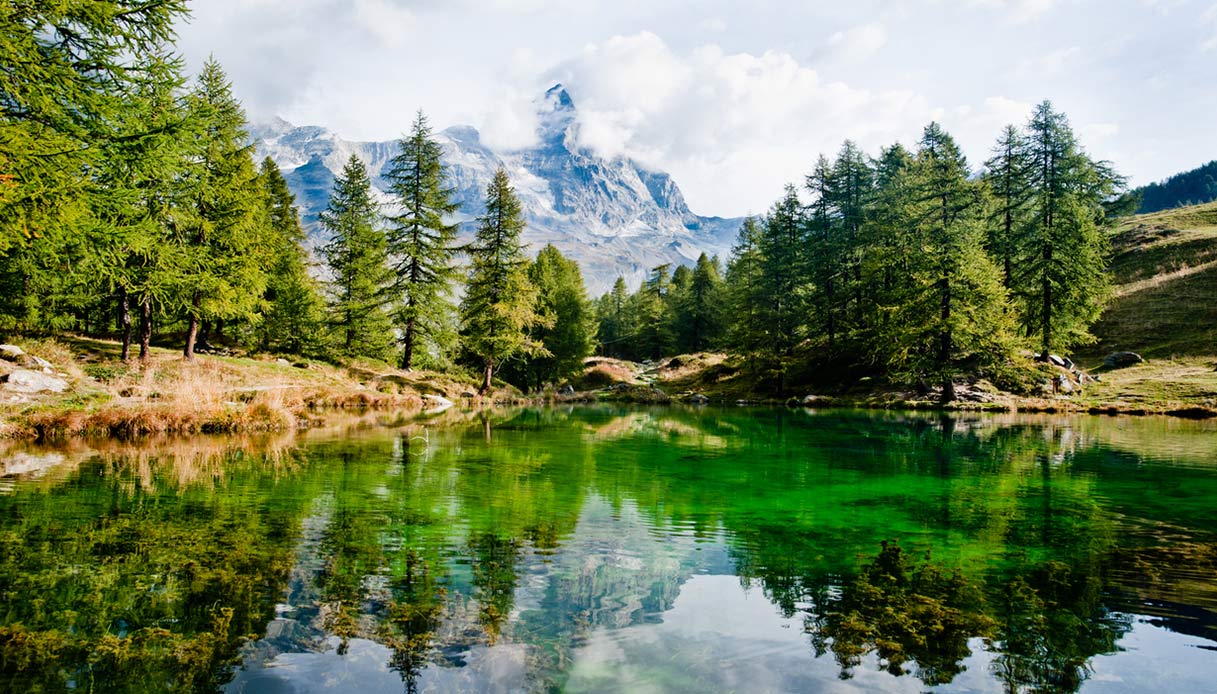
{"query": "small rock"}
[(283, 361), (698, 399), (1057, 360), (302, 365), (1063, 384), (26, 381), (468, 394), (1120, 360), (11, 352), (437, 403), (567, 389)]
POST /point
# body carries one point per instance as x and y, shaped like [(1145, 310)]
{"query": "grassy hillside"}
[(1165, 269)]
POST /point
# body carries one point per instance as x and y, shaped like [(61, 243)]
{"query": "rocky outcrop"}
[(30, 382), (1121, 360)]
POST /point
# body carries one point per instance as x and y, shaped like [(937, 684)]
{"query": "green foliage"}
[(1061, 279), (294, 305), (616, 323), (421, 246), (568, 322), (1193, 187), (68, 65), (361, 280), (499, 308), (951, 307), (225, 239)]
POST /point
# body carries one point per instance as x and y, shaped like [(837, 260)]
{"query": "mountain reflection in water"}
[(611, 549)]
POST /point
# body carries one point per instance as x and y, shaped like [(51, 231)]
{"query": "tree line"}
[(130, 199), (906, 265)]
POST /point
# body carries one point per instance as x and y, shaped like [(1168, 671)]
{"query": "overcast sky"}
[(733, 98)]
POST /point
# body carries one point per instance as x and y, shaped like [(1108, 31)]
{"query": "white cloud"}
[(385, 20), (732, 127), (1210, 19), (858, 42), (1019, 10), (1049, 64)]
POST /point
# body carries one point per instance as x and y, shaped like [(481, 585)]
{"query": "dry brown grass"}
[(209, 394)]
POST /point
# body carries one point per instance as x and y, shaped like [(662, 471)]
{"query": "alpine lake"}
[(619, 549)]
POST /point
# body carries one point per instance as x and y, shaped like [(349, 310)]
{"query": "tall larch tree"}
[(567, 328), (294, 305), (421, 242), (361, 279), (701, 310), (1062, 282), (1008, 173), (781, 245), (746, 331), (146, 178), (499, 306), (824, 262), (227, 237), (955, 307), (616, 328), (68, 65)]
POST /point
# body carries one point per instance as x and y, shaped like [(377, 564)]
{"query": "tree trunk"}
[(145, 332), (486, 376), (124, 323), (407, 354)]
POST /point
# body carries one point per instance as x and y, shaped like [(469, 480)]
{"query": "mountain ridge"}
[(615, 216)]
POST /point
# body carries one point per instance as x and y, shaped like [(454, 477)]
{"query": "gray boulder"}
[(11, 352), (1120, 360), (26, 381), (1063, 384), (566, 390), (698, 399)]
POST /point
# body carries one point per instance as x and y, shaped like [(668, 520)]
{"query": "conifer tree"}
[(421, 242), (824, 264), (294, 305), (1062, 281), (499, 306), (849, 191), (955, 306), (781, 246), (567, 328), (145, 173), (616, 328), (654, 337), (361, 279), (746, 331), (1008, 173), (700, 313), (68, 65), (227, 237)]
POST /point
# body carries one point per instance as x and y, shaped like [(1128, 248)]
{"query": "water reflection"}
[(588, 549)]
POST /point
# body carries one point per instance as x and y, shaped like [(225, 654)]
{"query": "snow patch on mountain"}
[(613, 215)]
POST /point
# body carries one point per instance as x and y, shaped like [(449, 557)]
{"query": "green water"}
[(612, 549)]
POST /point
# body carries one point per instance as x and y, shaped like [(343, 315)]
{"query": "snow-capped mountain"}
[(614, 216)]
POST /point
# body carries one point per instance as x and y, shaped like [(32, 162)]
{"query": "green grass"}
[(1164, 266)]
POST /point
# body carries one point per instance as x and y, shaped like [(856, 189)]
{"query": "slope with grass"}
[(106, 397)]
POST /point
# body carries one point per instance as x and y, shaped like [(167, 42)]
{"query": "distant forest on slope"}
[(1188, 188)]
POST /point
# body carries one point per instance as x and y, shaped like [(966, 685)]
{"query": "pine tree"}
[(746, 332), (68, 65), (567, 328), (356, 258), (955, 306), (781, 246), (1062, 279), (616, 328), (849, 192), (294, 305), (701, 311), (654, 337), (421, 242), (824, 263), (145, 173), (227, 237), (499, 306), (1008, 173)]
